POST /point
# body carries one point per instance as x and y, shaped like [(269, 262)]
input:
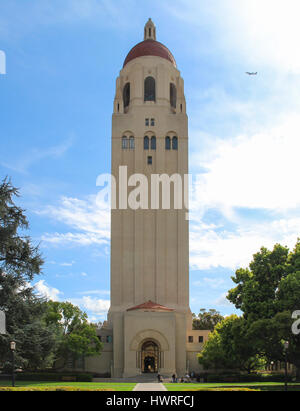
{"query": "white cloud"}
[(90, 219), (67, 264), (94, 306), (47, 291), (210, 282), (260, 33), (222, 301), (233, 249), (255, 171), (94, 292), (71, 238)]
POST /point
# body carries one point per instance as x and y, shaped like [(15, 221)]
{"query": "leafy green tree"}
[(20, 262), (206, 320), (268, 293), (228, 347), (257, 287), (77, 337)]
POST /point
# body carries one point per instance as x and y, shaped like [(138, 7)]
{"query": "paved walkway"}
[(150, 387)]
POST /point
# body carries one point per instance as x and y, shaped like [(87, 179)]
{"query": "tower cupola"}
[(150, 30)]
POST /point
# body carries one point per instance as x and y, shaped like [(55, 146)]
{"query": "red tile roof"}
[(150, 305), (150, 48)]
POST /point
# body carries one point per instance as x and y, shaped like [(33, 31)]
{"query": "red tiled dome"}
[(150, 48)]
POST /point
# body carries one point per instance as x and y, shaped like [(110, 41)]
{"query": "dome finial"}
[(150, 30)]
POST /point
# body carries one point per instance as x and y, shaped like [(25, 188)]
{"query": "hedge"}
[(56, 389), (227, 389), (219, 378), (56, 377)]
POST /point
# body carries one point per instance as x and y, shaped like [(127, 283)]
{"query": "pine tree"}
[(20, 262)]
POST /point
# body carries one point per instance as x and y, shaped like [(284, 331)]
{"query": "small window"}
[(152, 122), (168, 143), (131, 143), (191, 340), (124, 143), (146, 143), (150, 161), (153, 143), (100, 338), (109, 339), (175, 143), (147, 122), (201, 339)]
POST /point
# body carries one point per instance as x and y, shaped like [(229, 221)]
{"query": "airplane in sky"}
[(251, 74)]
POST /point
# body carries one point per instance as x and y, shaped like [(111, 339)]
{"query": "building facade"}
[(149, 327)]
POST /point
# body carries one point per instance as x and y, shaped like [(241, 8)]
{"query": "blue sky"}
[(56, 102)]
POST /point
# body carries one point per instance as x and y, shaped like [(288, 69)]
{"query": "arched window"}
[(153, 143), (175, 143), (126, 95), (168, 143), (150, 94), (173, 95), (124, 143), (131, 143), (146, 143)]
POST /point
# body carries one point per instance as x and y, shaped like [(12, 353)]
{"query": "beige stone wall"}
[(100, 365), (142, 326), (149, 257), (149, 248), (194, 348)]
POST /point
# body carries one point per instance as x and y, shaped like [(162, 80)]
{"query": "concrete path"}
[(150, 387)]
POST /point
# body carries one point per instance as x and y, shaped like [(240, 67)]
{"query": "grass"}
[(266, 386), (271, 386), (82, 385)]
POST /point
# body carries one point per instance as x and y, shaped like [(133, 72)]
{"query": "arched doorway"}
[(150, 357)]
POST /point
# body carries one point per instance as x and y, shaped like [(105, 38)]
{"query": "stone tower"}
[(149, 315)]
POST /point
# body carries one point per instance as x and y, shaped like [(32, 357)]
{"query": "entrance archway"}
[(150, 357)]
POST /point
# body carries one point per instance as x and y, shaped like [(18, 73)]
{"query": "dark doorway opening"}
[(150, 358)]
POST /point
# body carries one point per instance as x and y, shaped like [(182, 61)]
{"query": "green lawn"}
[(83, 385), (271, 386), (267, 386)]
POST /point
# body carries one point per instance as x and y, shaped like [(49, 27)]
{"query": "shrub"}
[(226, 389), (54, 377), (223, 378), (219, 378), (37, 389), (275, 378)]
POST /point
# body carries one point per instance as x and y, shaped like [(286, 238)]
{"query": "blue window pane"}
[(175, 143), (146, 143), (153, 143)]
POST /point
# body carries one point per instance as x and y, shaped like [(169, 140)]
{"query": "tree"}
[(228, 347), (256, 290), (20, 262), (206, 320), (268, 292), (77, 337)]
